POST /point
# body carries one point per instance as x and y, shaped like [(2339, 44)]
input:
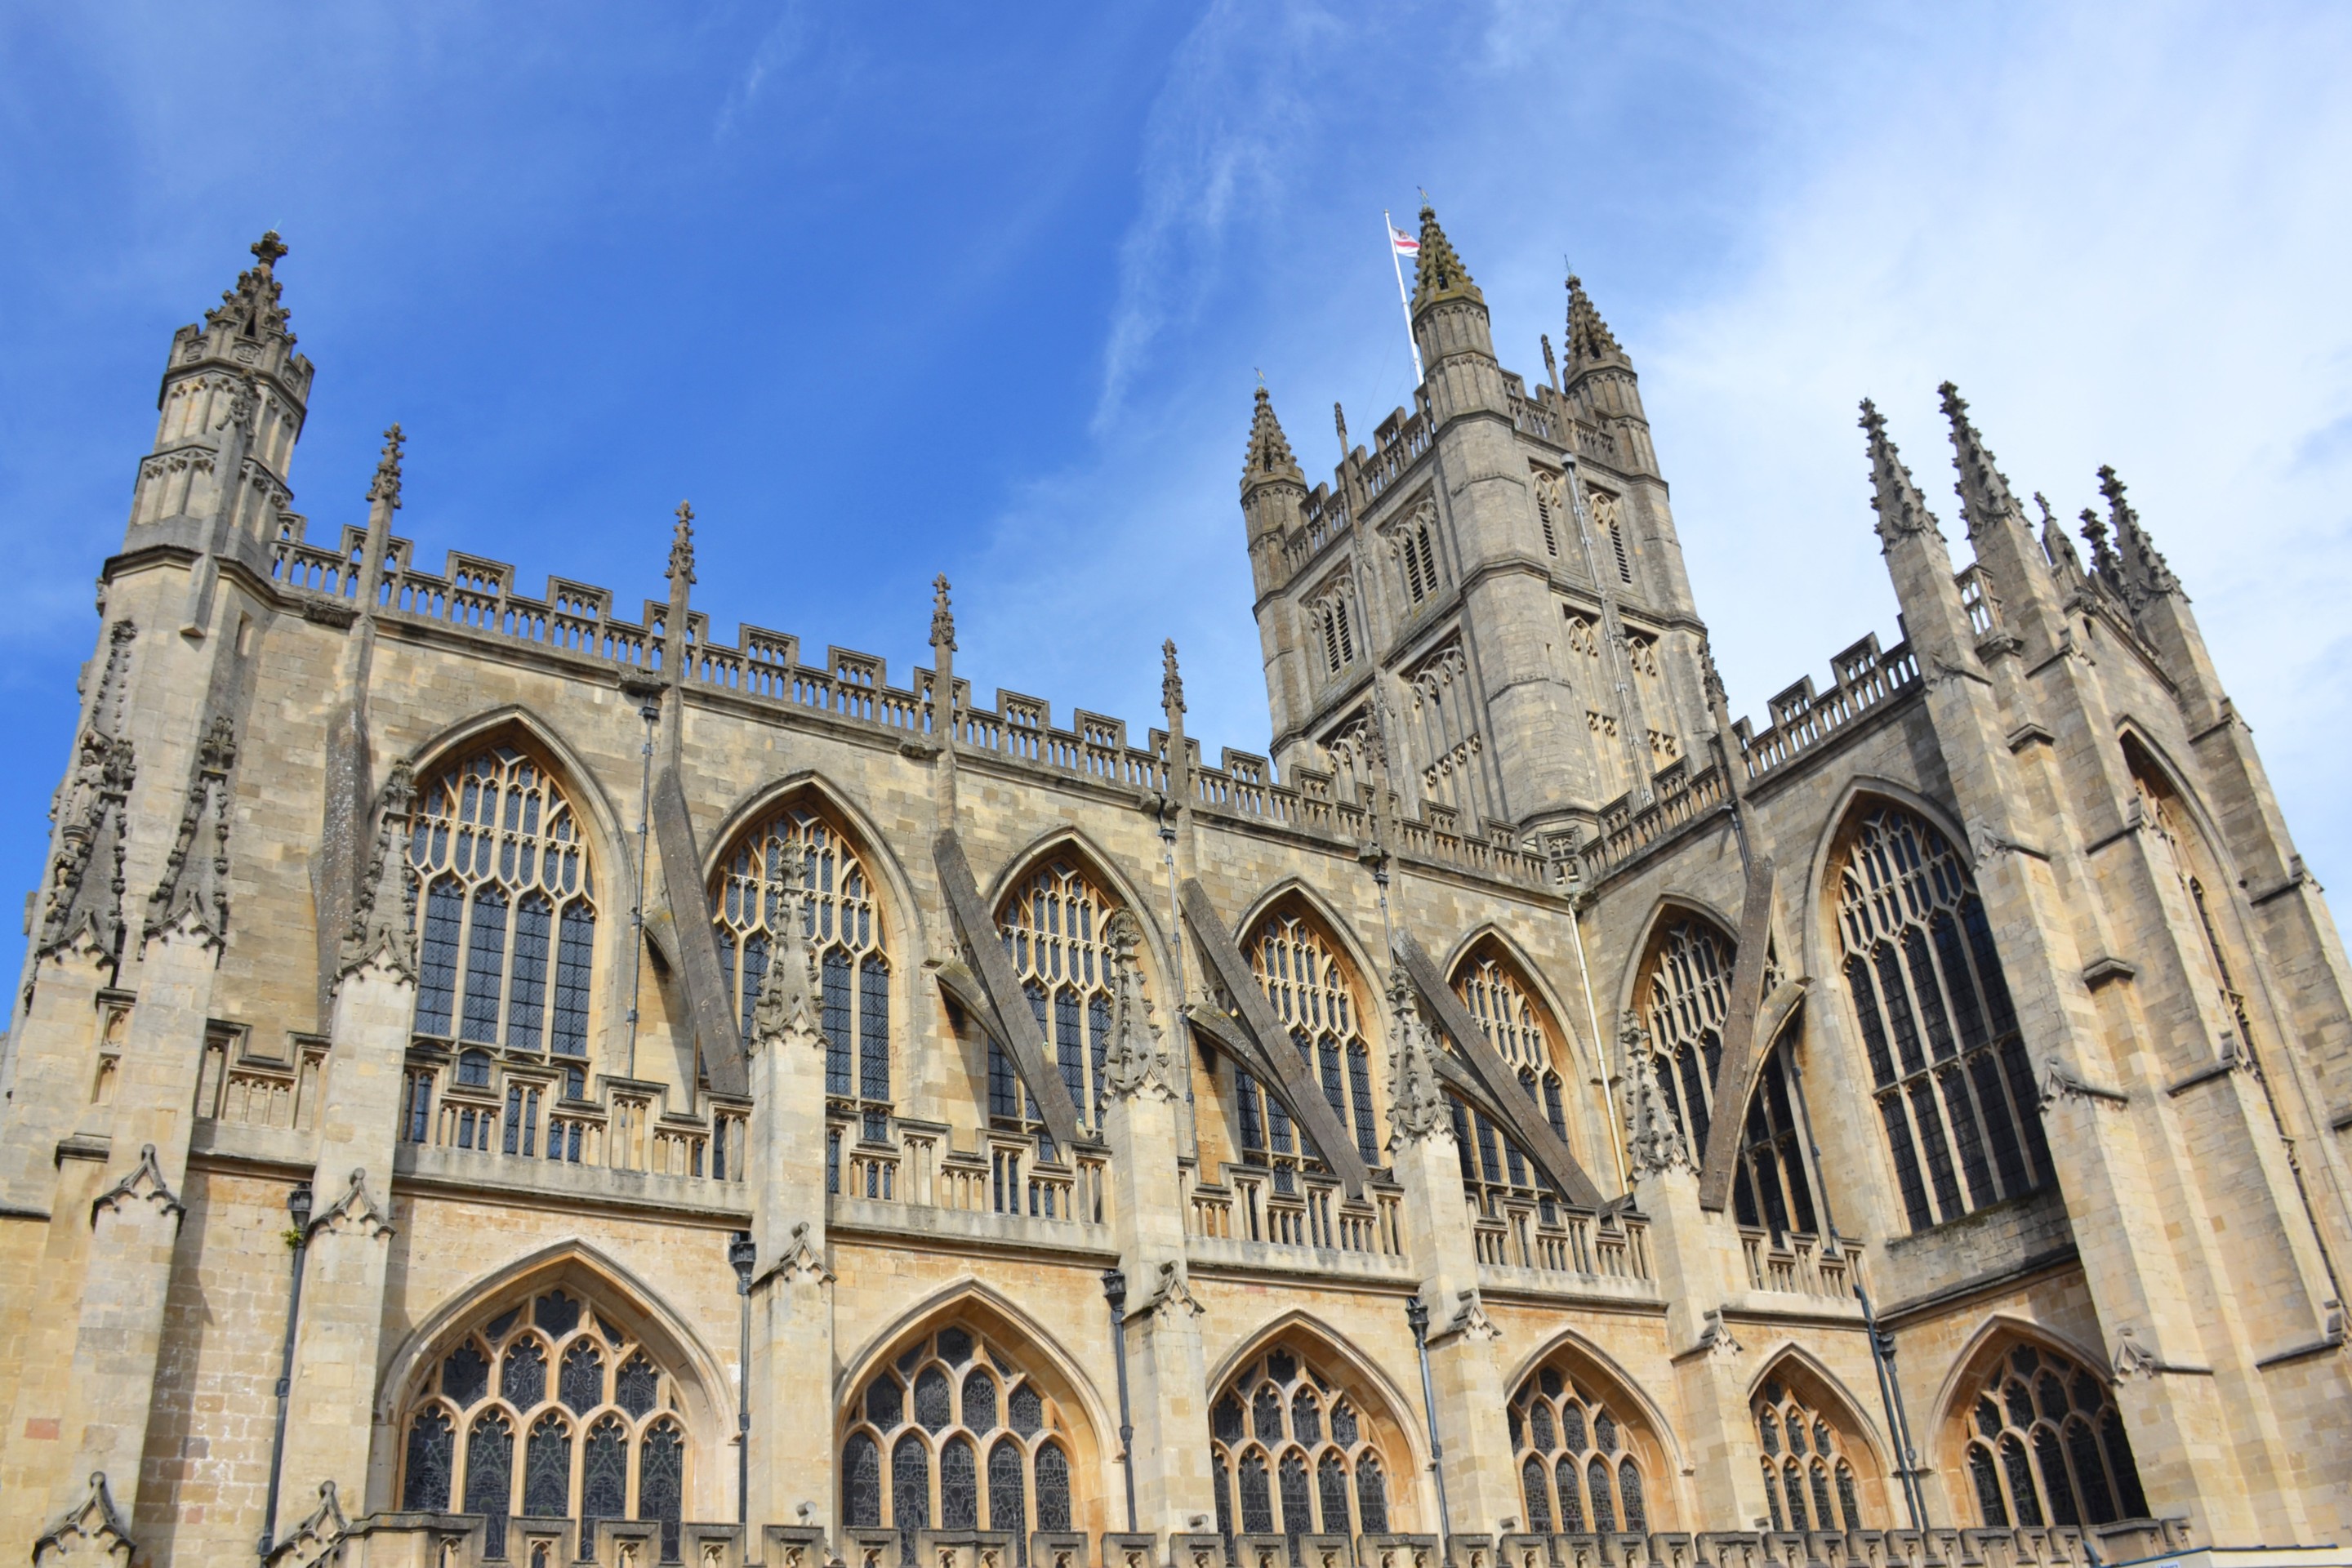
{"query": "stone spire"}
[(1985, 499), (383, 920), (1438, 274), (681, 545), (2105, 566), (1268, 459), (386, 486), (252, 309), (2145, 576), (1902, 510), (1590, 341)]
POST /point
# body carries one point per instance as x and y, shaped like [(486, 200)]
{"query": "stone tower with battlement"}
[(500, 1080)]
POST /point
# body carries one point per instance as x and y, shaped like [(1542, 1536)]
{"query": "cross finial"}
[(268, 248), (387, 468), (1171, 684), (942, 616)]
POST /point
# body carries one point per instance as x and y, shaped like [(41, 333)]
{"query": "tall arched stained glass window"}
[(1810, 1480), (974, 1442), (1498, 997), (565, 1415), (1297, 1450), (844, 925), (1684, 993), (2046, 1444), (1951, 1077), (1314, 994), (1055, 925), (509, 908)]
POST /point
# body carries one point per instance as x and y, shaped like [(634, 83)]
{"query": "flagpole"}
[(1404, 301)]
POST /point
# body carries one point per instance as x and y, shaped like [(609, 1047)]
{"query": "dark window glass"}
[(1343, 1424), (1257, 1497), (1297, 1498), (526, 992), (1222, 1480), (485, 954), (1629, 1491), (661, 1481), (575, 944), (932, 1399), (582, 1378), (1306, 1418), (1535, 1485), (980, 1403), (465, 1376), (604, 1472), (1053, 1488), (636, 1387), (431, 1444), (861, 1483), (1572, 1498), (884, 1401), (437, 969), (834, 1016), (1604, 1509), (522, 1375), (1371, 1497), (1265, 1414), (2020, 1479), (1025, 1411), (911, 1490), (1008, 1505), (959, 1486), (556, 1312), (489, 1473), (1990, 1507), (1331, 1486), (874, 1028), (547, 1469)]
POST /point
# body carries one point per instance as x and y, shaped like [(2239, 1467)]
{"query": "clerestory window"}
[(1291, 1452), (2047, 1445), (1314, 996), (1055, 927)]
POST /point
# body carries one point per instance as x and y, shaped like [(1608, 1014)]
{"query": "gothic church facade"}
[(496, 1080)]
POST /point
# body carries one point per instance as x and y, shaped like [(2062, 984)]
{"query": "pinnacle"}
[(1439, 274), (1902, 510), (1171, 684), (252, 307), (943, 614), (1589, 337), (386, 487), (1983, 489), (268, 247), (1268, 458), (2145, 571), (681, 545)]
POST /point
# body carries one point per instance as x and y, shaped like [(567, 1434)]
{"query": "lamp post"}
[(297, 1210), (742, 1254), (1114, 1284), (1416, 1313)]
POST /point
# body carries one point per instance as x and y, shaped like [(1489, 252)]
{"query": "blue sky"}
[(893, 291)]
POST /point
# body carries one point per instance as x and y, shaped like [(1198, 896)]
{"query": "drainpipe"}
[(298, 1209), (1114, 1284), (1416, 1312), (742, 1254), (1881, 1344), (650, 712)]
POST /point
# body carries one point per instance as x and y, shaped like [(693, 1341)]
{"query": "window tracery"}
[(1055, 927), (1333, 629), (1414, 542), (1808, 1480), (1578, 1469), (1515, 1024), (602, 1437), (1605, 512), (2179, 845), (1954, 1088), (843, 925), (1313, 994), (1551, 505), (1446, 730), (1684, 993), (508, 929), (2046, 1444), (1292, 1453), (936, 1410)]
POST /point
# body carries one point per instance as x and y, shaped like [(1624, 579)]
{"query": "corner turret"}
[(1917, 558), (2019, 573), (1274, 494), (1599, 379), (1450, 325)]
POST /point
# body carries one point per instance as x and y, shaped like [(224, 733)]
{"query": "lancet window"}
[(2176, 842), (1334, 631), (842, 924), (1314, 996), (509, 934), (1954, 1089), (546, 1409), (1055, 927), (1514, 1024), (1551, 505), (1685, 992), (954, 1434), (2046, 1444), (1808, 1480), (1417, 555), (1292, 1453), (1606, 515), (1445, 731), (1578, 1468)]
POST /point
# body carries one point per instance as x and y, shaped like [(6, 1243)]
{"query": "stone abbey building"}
[(499, 1080)]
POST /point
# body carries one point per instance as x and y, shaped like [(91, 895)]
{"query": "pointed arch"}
[(1075, 843), (1295, 1393), (901, 905), (1547, 995), (1817, 932), (2155, 757), (1324, 912), (1590, 1450), (1323, 989), (2031, 1423), (1992, 1340), (1665, 907), (518, 721), (932, 1380), (1824, 1464)]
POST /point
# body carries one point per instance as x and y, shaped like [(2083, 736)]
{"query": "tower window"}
[(1335, 632), (1417, 552)]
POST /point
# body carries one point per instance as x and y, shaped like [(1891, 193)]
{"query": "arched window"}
[(973, 1443), (1515, 1024), (1580, 1466), (1314, 996), (2176, 842), (1809, 1478), (845, 928), (1292, 1453), (1954, 1089), (1684, 993), (564, 1414), (1333, 631), (2046, 1444), (1550, 505), (1606, 513), (1417, 556), (509, 918), (1055, 927)]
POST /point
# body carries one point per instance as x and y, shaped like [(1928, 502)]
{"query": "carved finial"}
[(386, 488), (1416, 1104), (1340, 423), (2103, 554), (1136, 1061), (383, 918), (251, 307), (192, 897), (1171, 684), (2146, 575), (943, 614), (1653, 1138), (1551, 365), (1985, 499), (268, 248), (1902, 511), (681, 545), (1438, 273), (787, 1008), (2055, 546)]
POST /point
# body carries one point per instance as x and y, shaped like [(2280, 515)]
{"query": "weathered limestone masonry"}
[(496, 1080)]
